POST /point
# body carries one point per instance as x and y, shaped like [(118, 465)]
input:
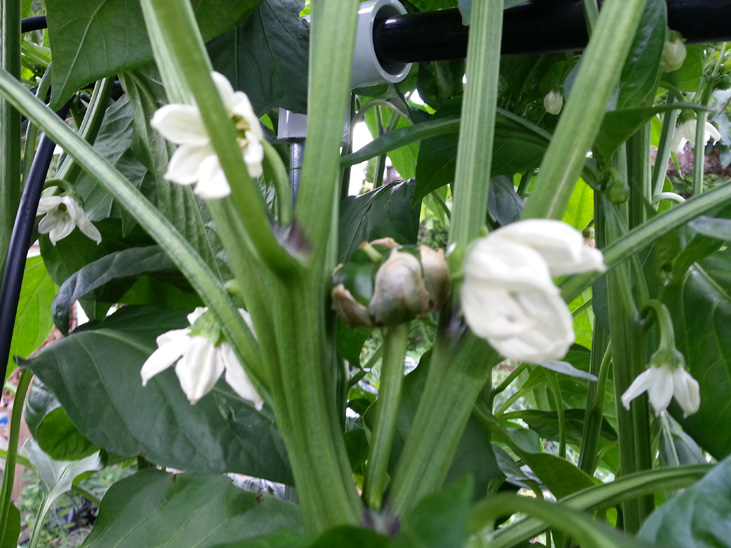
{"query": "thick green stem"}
[(601, 357), (477, 130), (638, 175), (10, 131), (395, 340), (9, 475), (331, 58), (581, 118)]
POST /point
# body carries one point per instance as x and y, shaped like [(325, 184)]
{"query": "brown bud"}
[(400, 294), (436, 275), (349, 310)]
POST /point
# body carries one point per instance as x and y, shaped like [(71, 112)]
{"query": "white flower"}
[(553, 102), (195, 159), (685, 132), (62, 215), (199, 363), (662, 383), (508, 296)]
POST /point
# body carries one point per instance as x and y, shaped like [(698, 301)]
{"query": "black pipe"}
[(29, 24), (533, 27)]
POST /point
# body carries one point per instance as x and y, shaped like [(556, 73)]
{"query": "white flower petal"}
[(225, 90), (491, 311), (62, 228), (212, 182), (49, 203), (197, 313), (710, 133), (660, 392), (171, 346), (236, 376), (638, 387), (180, 124), (185, 163), (253, 157), (686, 391), (199, 368)]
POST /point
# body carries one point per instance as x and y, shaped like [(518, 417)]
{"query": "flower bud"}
[(553, 102), (436, 275), (350, 311), (400, 294), (673, 54)]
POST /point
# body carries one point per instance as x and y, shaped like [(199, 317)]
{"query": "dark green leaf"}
[(12, 528), (51, 427), (91, 39), (33, 321), (383, 212), (350, 342), (700, 303), (356, 444), (439, 81), (153, 508), (266, 56), (503, 203), (619, 125), (439, 520), (698, 517), (676, 447), (284, 539), (340, 537), (558, 475), (120, 267), (719, 229), (642, 68), (545, 423), (95, 374)]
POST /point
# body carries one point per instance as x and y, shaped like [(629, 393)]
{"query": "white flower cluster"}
[(508, 295), (195, 160), (61, 215), (200, 362), (685, 133)]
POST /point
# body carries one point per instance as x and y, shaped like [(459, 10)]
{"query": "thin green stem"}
[(639, 175), (395, 340), (659, 170), (477, 130), (185, 46), (664, 322), (10, 130), (594, 414), (560, 414), (274, 166), (644, 236), (88, 495), (591, 13), (442, 204), (580, 120), (699, 152), (10, 459), (506, 382), (90, 125), (31, 134)]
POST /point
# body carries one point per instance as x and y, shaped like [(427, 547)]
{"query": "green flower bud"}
[(553, 102), (673, 53), (618, 190)]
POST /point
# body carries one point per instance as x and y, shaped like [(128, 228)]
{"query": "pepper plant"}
[(243, 326)]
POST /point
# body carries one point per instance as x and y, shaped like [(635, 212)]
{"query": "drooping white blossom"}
[(199, 362), (62, 215), (195, 160), (662, 383), (508, 295), (685, 133)]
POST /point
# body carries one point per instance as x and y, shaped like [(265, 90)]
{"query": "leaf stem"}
[(273, 165), (663, 149), (395, 340)]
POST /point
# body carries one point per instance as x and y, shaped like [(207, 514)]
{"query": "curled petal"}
[(638, 387), (492, 312), (199, 368), (49, 203), (180, 124), (62, 228), (686, 391), (212, 182), (171, 346), (225, 90), (660, 392), (253, 157)]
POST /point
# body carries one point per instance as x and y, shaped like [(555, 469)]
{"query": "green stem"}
[(442, 204), (9, 475), (90, 125), (185, 46), (477, 130), (594, 414), (699, 152), (331, 58), (31, 134), (201, 278), (646, 234), (591, 13), (584, 110), (506, 382), (639, 175), (560, 415), (664, 322), (10, 130), (603, 496), (88, 495), (274, 166), (659, 170), (395, 340)]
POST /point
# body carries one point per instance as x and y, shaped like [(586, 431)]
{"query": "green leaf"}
[(619, 125), (339, 537), (687, 77), (91, 39), (56, 477), (700, 303), (153, 508), (560, 476), (402, 158), (642, 68), (383, 212), (95, 374), (33, 321), (266, 56), (719, 229), (503, 203), (350, 342), (545, 423), (119, 269), (439, 520), (580, 211), (51, 427), (698, 517)]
